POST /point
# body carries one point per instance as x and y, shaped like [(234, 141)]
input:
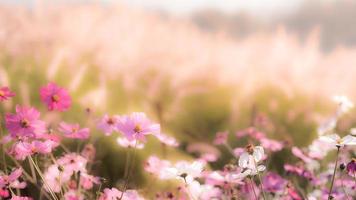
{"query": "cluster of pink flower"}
[(68, 176)]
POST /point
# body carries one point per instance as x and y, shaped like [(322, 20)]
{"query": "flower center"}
[(24, 123), (110, 121), (137, 129), (249, 149), (2, 93), (74, 129), (55, 98)]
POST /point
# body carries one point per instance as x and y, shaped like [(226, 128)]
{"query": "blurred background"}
[(195, 66)]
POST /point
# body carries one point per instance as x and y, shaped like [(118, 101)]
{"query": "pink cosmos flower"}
[(299, 153), (20, 198), (113, 194), (56, 176), (73, 131), (252, 132), (155, 165), (25, 123), (55, 97), (11, 180), (166, 139), (137, 126), (4, 193), (272, 182), (5, 93), (73, 162), (20, 150), (108, 124), (89, 152), (87, 181), (272, 145), (73, 195), (221, 138)]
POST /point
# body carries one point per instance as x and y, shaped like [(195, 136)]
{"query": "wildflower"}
[(73, 195), (25, 123), (224, 178), (203, 192), (11, 180), (89, 152), (137, 126), (21, 149), (56, 176), (5, 93), (73, 162), (73, 131), (55, 97), (4, 193), (353, 131), (124, 142), (272, 182), (108, 124), (272, 145), (221, 138), (250, 158), (351, 166), (344, 104), (166, 139), (155, 165), (337, 141), (183, 171), (87, 181), (15, 197), (113, 194)]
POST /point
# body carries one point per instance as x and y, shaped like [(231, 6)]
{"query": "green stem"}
[(333, 178), (44, 181)]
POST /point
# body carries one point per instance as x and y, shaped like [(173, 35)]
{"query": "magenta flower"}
[(108, 124), (351, 167), (272, 182), (25, 123), (73, 131), (137, 126), (5, 93), (55, 97)]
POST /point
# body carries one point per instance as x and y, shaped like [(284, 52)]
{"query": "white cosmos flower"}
[(344, 104), (183, 171), (353, 131), (124, 142), (336, 140), (203, 192), (249, 160)]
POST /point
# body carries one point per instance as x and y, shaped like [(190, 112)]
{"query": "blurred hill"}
[(332, 17)]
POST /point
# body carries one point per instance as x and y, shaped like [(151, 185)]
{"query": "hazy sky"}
[(260, 7)]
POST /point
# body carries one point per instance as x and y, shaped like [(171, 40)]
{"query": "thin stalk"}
[(253, 189), (44, 181), (132, 164), (333, 178), (261, 185), (33, 173)]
